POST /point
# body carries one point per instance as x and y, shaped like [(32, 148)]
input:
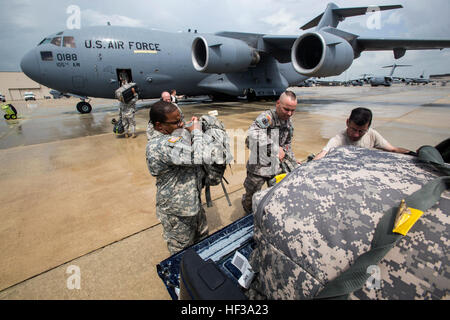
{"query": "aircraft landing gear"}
[(84, 107)]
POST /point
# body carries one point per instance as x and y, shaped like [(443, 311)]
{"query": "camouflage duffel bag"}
[(326, 230)]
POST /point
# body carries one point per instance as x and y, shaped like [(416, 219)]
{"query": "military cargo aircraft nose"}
[(30, 65)]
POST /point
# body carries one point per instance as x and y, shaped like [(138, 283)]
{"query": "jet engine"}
[(214, 54), (321, 54)]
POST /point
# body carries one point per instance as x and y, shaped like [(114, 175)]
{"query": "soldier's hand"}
[(195, 125), (281, 154)]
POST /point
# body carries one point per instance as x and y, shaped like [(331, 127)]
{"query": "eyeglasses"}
[(177, 122)]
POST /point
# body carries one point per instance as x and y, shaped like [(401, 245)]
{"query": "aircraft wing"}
[(280, 45), (254, 40), (369, 44), (323, 52), (399, 46), (280, 42), (277, 45), (251, 39)]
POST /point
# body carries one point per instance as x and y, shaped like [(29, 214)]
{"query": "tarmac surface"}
[(77, 197)]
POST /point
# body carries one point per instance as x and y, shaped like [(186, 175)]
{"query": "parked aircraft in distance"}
[(366, 77), (89, 62), (386, 80), (420, 80), (308, 82), (354, 82)]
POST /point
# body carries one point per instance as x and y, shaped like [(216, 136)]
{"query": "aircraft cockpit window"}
[(46, 56), (56, 41), (69, 42), (45, 41)]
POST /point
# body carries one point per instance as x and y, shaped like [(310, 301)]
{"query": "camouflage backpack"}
[(217, 155), (316, 230)]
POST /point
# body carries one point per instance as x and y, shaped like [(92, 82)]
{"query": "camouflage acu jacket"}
[(266, 134), (176, 164), (127, 109)]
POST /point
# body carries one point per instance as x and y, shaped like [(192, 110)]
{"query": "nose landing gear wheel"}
[(84, 107)]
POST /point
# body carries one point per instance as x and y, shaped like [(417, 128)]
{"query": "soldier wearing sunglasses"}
[(175, 157)]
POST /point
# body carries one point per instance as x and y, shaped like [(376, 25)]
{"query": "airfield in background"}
[(74, 194)]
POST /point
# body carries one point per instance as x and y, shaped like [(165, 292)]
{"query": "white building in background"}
[(13, 85)]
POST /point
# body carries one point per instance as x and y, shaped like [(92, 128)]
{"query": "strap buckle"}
[(406, 218)]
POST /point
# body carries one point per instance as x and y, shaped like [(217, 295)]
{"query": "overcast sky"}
[(26, 22)]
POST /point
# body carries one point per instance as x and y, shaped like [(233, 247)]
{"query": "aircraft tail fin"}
[(394, 66), (333, 15)]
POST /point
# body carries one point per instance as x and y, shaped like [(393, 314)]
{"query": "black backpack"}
[(125, 92)]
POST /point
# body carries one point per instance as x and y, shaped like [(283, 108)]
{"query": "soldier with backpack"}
[(269, 140), (174, 156), (184, 159), (128, 97)]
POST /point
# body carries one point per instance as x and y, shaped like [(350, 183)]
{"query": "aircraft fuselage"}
[(87, 62)]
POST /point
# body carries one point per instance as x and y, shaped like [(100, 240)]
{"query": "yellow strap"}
[(280, 177)]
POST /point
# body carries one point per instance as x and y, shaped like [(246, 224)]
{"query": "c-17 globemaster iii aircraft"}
[(386, 80), (89, 62), (420, 80)]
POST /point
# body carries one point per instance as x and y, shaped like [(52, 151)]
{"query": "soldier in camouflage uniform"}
[(127, 111), (269, 140), (175, 157)]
